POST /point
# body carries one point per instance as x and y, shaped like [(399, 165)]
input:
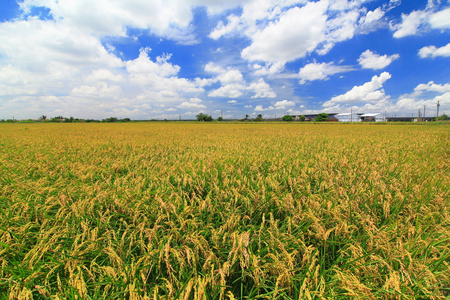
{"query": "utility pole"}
[(437, 111), (418, 116), (423, 117)]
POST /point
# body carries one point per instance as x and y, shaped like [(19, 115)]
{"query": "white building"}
[(376, 117), (348, 117)]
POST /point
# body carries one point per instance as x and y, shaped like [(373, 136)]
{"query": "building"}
[(348, 117), (376, 117)]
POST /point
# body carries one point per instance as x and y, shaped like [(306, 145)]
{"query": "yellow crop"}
[(224, 211)]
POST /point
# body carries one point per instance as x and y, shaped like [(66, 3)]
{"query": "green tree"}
[(443, 117), (301, 118), (322, 117), (204, 117), (259, 118), (110, 120), (287, 118), (219, 119)]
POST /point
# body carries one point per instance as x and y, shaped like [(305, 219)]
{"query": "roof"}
[(370, 115), (348, 114)]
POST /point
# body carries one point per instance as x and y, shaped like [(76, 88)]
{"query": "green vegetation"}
[(204, 117), (287, 118), (322, 117)]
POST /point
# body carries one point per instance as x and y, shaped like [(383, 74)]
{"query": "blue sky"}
[(166, 59)]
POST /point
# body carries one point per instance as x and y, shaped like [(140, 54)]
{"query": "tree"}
[(287, 118), (110, 120), (259, 118), (204, 117), (322, 117), (443, 117), (219, 119), (301, 118), (43, 117)]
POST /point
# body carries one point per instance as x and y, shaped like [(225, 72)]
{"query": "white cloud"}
[(213, 68), (100, 89), (371, 91), (410, 103), (193, 103), (234, 90), (232, 101), (277, 42), (432, 87), (104, 75), (284, 104), (441, 19), (432, 51), (261, 108), (422, 20), (339, 29), (410, 24), (231, 76), (371, 60), (144, 66), (60, 47), (262, 89), (373, 16), (268, 69), (320, 71), (113, 17), (221, 29)]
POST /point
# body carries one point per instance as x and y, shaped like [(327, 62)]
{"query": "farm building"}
[(377, 117), (348, 117)]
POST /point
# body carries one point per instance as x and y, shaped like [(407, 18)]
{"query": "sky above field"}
[(170, 59)]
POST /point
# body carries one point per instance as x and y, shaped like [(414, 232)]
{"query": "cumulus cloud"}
[(371, 92), (277, 42), (373, 16), (432, 51), (168, 18), (101, 89), (268, 69), (193, 103), (320, 71), (371, 60), (416, 20), (144, 66), (261, 108), (262, 89), (432, 87), (234, 90), (440, 19), (221, 29), (284, 104), (425, 95), (104, 75), (234, 85), (410, 24)]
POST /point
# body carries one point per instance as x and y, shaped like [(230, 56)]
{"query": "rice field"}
[(224, 211)]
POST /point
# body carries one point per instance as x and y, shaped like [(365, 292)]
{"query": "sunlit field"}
[(224, 211)]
